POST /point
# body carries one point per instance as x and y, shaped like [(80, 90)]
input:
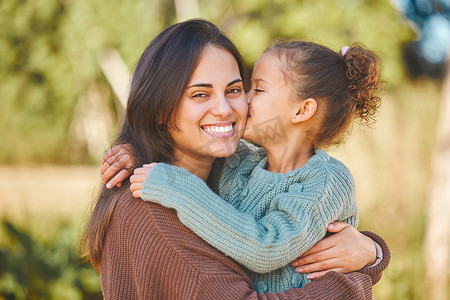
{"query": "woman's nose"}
[(221, 107)]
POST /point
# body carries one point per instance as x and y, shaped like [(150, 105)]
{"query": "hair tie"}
[(344, 50)]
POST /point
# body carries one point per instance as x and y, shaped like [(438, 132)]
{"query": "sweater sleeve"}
[(260, 245), (333, 285), (376, 271)]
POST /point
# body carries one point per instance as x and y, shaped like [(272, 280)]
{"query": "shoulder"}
[(324, 176), (331, 169)]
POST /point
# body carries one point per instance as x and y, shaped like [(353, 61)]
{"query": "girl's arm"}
[(119, 162), (261, 245)]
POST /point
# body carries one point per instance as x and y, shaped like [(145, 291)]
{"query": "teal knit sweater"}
[(267, 219)]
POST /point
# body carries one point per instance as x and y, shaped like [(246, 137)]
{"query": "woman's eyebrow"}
[(234, 81), (209, 85)]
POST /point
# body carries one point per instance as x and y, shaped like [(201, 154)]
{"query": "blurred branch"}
[(117, 74), (186, 9)]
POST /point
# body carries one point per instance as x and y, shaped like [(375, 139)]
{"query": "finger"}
[(140, 171), (322, 245), (103, 168), (320, 266), (116, 180), (136, 186), (149, 165), (145, 170), (137, 194), (337, 226), (138, 179), (316, 257), (109, 153), (111, 171), (316, 275), (110, 159)]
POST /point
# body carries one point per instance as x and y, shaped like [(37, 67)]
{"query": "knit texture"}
[(149, 254), (268, 219)]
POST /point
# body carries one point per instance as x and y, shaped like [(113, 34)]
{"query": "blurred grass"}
[(45, 208), (391, 164)]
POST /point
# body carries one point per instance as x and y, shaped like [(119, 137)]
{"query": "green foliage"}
[(49, 53), (33, 270)]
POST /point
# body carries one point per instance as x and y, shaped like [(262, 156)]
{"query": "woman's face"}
[(270, 108), (212, 113)]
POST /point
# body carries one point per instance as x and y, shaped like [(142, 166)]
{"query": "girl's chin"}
[(247, 135)]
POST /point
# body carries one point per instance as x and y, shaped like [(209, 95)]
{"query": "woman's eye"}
[(234, 91), (200, 96)]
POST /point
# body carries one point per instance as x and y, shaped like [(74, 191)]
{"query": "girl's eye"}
[(258, 90)]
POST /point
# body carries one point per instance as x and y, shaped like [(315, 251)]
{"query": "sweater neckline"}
[(261, 172)]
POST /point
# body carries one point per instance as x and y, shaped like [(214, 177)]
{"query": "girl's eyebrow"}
[(259, 79), (209, 85)]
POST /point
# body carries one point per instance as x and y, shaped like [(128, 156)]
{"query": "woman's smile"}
[(220, 130)]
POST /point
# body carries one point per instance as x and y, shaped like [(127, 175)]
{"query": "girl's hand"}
[(345, 251), (138, 179), (119, 161)]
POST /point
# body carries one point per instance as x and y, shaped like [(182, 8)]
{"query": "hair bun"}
[(363, 71)]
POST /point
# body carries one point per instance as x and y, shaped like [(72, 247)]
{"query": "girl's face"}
[(270, 108), (211, 114)]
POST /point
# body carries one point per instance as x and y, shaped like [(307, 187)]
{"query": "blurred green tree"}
[(50, 52)]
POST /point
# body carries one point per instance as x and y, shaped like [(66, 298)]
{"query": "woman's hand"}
[(138, 179), (345, 251), (119, 161)]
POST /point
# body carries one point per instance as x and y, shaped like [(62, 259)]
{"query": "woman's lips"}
[(219, 131)]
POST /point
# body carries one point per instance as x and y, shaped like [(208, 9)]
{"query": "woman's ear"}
[(305, 110)]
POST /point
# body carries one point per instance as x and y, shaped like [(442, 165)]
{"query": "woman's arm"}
[(338, 252), (139, 229), (261, 245)]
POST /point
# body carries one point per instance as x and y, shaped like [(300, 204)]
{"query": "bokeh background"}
[(64, 73)]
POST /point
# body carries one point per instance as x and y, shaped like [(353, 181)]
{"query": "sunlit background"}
[(64, 73)]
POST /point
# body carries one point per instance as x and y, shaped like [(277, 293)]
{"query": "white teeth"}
[(218, 129)]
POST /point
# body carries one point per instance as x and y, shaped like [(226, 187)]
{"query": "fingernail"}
[(310, 276), (299, 270), (330, 226), (108, 185)]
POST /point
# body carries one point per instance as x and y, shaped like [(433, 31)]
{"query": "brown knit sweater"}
[(149, 254)]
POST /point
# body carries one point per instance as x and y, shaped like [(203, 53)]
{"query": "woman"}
[(140, 249)]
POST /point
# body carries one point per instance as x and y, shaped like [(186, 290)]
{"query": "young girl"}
[(279, 198)]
